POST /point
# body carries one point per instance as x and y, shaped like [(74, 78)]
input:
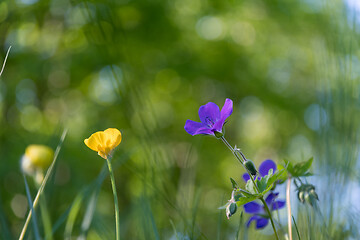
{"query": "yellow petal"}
[(113, 137), (104, 141), (95, 140)]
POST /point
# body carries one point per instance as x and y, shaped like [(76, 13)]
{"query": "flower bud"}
[(36, 160), (40, 156), (306, 193), (251, 167), (231, 209)]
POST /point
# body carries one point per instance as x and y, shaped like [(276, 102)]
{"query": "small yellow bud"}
[(40, 156)]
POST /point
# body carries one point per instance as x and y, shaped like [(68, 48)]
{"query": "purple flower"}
[(264, 168), (212, 120), (260, 215), (258, 210)]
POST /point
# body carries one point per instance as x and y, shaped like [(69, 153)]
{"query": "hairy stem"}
[(241, 158), (117, 217)]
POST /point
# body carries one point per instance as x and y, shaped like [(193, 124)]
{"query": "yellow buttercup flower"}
[(40, 156), (104, 142)]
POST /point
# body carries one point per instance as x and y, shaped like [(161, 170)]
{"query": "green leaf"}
[(283, 176), (267, 189), (303, 167), (250, 187), (262, 183), (277, 176), (246, 194), (299, 169), (245, 200), (234, 184)]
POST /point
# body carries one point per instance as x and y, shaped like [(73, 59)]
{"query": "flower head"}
[(104, 142), (212, 119), (260, 215), (37, 158)]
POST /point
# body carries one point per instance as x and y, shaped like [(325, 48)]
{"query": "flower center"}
[(209, 122)]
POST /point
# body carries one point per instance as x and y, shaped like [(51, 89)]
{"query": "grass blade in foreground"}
[(35, 225), (41, 189)]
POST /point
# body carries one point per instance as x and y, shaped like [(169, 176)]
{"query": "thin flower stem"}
[(241, 160), (117, 217), (289, 207), (271, 220), (232, 150)]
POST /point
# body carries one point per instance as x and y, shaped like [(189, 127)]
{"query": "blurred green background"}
[(145, 67)]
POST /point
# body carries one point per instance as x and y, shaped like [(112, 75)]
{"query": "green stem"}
[(289, 207), (117, 217), (241, 160), (271, 220)]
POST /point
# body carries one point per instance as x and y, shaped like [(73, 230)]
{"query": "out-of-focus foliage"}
[(144, 67)]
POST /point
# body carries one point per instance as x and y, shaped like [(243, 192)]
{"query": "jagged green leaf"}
[(299, 169), (245, 200), (234, 183)]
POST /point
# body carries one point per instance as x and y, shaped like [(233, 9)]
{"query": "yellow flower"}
[(36, 160), (104, 142), (40, 156)]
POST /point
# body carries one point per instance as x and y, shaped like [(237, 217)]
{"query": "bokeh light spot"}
[(210, 28), (315, 117)]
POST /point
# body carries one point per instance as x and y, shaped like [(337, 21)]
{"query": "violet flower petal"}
[(191, 127), (270, 198), (265, 166), (226, 111), (277, 204), (246, 177), (252, 207), (209, 114), (260, 222), (204, 130)]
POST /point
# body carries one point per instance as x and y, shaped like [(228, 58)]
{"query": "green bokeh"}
[(145, 67)]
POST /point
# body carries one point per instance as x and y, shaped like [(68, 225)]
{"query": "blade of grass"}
[(74, 210), (60, 221), (45, 216), (152, 220), (89, 214), (34, 219), (297, 230), (241, 220), (41, 189), (3, 66), (174, 228), (87, 218)]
